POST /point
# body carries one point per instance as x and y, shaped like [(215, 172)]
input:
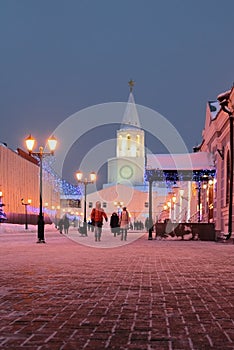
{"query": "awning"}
[(177, 162), (197, 166)]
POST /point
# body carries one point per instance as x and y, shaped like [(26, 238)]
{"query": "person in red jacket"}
[(97, 216)]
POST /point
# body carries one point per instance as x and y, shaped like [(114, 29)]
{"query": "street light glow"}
[(52, 142), (92, 176), (30, 141), (79, 175)]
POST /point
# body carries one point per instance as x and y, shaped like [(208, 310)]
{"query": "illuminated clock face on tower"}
[(126, 172)]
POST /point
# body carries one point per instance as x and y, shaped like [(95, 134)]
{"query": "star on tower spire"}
[(131, 84)]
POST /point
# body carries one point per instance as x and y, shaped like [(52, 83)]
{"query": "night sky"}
[(59, 57)]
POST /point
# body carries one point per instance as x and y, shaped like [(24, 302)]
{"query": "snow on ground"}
[(13, 228), (107, 240)]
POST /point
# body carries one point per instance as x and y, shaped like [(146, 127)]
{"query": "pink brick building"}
[(216, 139)]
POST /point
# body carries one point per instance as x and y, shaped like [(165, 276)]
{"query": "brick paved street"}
[(144, 295)]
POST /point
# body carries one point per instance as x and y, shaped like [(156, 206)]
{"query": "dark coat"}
[(114, 220), (66, 222)]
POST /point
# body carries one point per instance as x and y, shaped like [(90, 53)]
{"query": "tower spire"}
[(131, 118)]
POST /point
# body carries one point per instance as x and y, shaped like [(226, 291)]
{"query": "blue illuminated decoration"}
[(182, 175), (69, 189), (60, 185)]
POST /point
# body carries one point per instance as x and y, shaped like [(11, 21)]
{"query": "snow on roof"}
[(214, 108), (189, 161)]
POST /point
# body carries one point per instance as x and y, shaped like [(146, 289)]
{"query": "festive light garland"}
[(182, 175), (61, 185)]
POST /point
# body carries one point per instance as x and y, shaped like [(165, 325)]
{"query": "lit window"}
[(128, 142)]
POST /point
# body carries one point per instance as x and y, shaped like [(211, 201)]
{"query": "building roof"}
[(27, 156), (189, 161)]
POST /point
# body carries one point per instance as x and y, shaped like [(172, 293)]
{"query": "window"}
[(128, 142), (104, 205), (146, 204), (90, 204), (73, 203)]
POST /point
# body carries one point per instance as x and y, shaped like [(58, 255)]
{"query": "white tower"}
[(129, 165)]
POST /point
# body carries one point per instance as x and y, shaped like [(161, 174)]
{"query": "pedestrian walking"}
[(147, 224), (97, 216), (66, 224), (114, 223), (124, 223), (60, 225)]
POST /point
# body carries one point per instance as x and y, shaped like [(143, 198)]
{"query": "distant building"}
[(175, 199), (129, 164)]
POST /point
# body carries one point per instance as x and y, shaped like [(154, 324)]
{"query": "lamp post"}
[(173, 208), (224, 104), (119, 206), (150, 231), (52, 142), (26, 211), (85, 182)]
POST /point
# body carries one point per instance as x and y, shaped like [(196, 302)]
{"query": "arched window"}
[(227, 178), (128, 142)]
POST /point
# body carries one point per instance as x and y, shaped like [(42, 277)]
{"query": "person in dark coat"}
[(114, 223), (66, 224), (60, 225)]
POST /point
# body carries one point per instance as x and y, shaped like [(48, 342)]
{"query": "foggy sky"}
[(58, 57)]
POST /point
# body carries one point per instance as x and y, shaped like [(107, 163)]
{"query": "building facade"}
[(19, 179), (216, 139)]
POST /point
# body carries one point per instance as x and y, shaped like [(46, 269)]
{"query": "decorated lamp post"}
[(26, 211), (85, 182), (52, 142)]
